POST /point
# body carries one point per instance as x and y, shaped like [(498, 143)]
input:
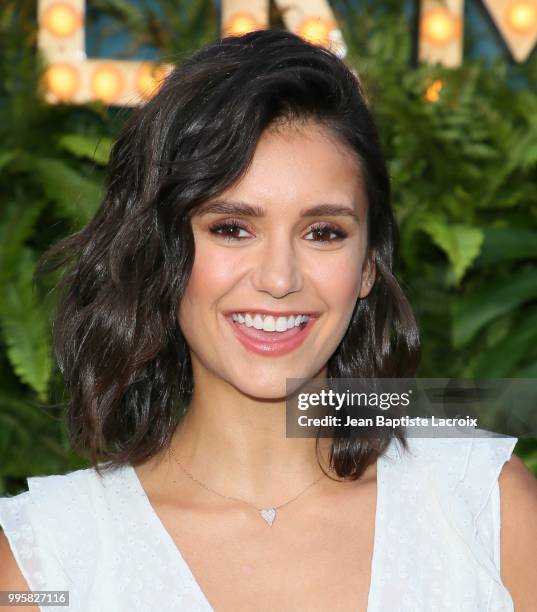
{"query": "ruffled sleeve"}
[(469, 497), (31, 544), (438, 543), (51, 531)]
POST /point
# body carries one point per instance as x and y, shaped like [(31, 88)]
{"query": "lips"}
[(270, 343)]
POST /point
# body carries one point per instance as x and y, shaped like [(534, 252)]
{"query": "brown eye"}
[(229, 231), (326, 233)]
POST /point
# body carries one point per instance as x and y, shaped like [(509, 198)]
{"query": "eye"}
[(229, 230), (324, 232)]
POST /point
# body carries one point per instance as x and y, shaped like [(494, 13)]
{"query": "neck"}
[(237, 444)]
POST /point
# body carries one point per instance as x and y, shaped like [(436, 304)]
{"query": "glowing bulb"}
[(316, 30), (522, 16), (62, 19), (241, 23), (62, 81), (149, 79), (440, 27), (106, 83), (433, 91)]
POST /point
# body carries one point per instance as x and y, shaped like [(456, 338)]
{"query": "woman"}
[(259, 151)]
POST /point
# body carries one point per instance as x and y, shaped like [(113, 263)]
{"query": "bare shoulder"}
[(11, 578), (518, 510)]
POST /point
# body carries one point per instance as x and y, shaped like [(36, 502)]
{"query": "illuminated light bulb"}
[(316, 30), (522, 16), (62, 19), (62, 80), (241, 23), (149, 79), (433, 91), (106, 83), (440, 27)]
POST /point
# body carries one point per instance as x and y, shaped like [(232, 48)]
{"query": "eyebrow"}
[(244, 209)]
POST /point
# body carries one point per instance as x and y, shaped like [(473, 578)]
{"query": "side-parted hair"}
[(116, 335)]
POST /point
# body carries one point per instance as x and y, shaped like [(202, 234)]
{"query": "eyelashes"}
[(234, 231), (229, 230), (327, 228)]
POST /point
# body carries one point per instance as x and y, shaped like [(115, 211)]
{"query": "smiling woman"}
[(279, 263), (247, 238)]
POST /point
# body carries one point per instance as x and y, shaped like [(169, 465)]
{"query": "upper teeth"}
[(268, 322)]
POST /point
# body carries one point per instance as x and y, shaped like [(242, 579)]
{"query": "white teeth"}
[(281, 324), (269, 323)]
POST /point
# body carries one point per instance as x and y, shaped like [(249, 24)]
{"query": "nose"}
[(278, 269)]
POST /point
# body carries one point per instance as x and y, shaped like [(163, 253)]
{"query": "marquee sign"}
[(441, 28), (72, 77)]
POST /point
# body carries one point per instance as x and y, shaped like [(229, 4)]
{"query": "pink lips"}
[(270, 343)]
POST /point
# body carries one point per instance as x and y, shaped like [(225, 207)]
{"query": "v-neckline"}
[(187, 571)]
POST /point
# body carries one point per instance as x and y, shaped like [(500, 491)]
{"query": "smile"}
[(268, 322), (271, 334)]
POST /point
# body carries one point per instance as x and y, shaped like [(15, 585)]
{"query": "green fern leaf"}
[(461, 243), (77, 197), (25, 327), (17, 226), (95, 148)]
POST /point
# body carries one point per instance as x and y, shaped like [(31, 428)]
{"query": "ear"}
[(369, 274)]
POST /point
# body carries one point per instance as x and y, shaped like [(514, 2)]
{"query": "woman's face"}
[(287, 241)]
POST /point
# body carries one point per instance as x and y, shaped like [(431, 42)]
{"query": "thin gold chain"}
[(238, 498)]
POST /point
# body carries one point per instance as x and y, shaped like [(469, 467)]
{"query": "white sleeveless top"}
[(436, 547)]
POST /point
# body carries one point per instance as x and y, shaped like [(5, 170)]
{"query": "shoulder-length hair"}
[(116, 336)]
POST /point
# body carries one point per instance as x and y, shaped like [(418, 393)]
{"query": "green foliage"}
[(464, 186), (24, 327), (94, 148), (461, 243), (76, 196), (472, 312)]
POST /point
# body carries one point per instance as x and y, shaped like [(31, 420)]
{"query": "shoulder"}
[(518, 487), (518, 502), (11, 578)]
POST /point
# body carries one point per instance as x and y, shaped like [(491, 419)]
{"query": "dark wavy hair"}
[(116, 336)]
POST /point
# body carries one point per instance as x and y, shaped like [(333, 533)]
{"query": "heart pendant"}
[(269, 514)]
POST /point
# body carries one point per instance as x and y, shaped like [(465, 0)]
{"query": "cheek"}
[(338, 279), (211, 277)]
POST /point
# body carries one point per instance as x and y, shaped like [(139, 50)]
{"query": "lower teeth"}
[(301, 326)]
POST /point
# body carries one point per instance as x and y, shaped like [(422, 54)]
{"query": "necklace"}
[(267, 514)]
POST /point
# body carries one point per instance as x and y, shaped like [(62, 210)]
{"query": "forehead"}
[(298, 165)]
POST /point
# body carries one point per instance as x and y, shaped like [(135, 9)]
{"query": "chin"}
[(272, 387)]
